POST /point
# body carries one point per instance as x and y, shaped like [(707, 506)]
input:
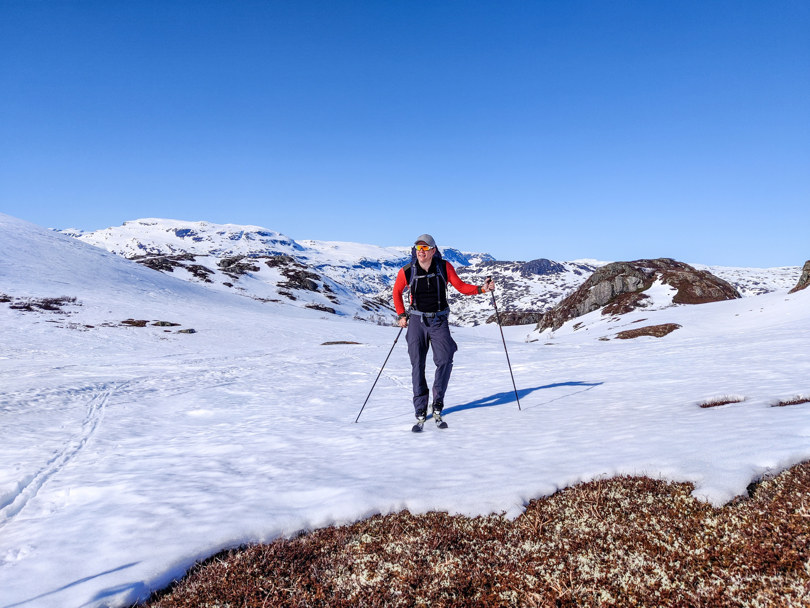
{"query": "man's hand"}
[(402, 321), (489, 285)]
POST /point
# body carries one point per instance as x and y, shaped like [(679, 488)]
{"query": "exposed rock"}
[(277, 261), (135, 322), (296, 273), (541, 267), (697, 286), (516, 317), (804, 279), (237, 266), (619, 287), (655, 331), (321, 307), (201, 272), (167, 263), (160, 263)]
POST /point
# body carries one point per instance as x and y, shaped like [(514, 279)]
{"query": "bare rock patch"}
[(655, 331)]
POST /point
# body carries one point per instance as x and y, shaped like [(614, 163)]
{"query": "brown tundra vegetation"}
[(626, 541)]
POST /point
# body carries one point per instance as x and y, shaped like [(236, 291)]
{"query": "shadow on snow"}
[(73, 584), (509, 397)]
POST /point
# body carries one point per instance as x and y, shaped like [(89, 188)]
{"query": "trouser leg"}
[(418, 343), (444, 347)]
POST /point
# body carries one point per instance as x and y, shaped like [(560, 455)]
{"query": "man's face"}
[(424, 256)]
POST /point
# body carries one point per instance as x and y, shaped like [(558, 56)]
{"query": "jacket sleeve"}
[(399, 286), (461, 286)]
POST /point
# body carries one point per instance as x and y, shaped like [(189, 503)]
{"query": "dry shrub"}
[(40, 304), (795, 401), (724, 400), (628, 541)]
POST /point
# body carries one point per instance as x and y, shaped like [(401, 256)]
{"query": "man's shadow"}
[(509, 396)]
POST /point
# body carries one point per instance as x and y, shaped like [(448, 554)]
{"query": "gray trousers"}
[(434, 333)]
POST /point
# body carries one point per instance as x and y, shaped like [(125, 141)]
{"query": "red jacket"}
[(401, 283)]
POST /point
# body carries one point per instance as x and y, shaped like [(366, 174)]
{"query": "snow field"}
[(126, 454)]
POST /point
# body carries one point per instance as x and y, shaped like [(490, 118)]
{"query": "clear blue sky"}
[(607, 129)]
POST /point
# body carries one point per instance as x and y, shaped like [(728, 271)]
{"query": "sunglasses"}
[(423, 247)]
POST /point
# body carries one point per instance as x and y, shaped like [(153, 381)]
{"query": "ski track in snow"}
[(30, 486), (180, 383)]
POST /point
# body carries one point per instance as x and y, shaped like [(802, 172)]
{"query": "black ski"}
[(420, 425)]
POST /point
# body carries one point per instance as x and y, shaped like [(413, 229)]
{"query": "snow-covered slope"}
[(349, 279), (100, 288), (352, 279), (756, 281), (126, 453)]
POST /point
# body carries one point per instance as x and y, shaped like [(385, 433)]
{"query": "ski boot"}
[(438, 406), (421, 416)]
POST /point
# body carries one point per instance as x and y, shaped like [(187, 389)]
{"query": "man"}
[(427, 276)]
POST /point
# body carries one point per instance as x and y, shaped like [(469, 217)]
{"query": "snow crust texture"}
[(129, 452)]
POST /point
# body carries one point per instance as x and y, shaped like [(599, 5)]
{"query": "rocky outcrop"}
[(541, 266), (516, 317), (237, 266), (297, 274), (619, 288), (804, 279), (167, 263)]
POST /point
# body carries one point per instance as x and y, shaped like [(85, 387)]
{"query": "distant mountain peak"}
[(352, 279)]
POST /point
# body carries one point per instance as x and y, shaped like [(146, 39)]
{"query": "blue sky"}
[(613, 130)]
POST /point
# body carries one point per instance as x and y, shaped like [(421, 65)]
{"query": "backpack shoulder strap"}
[(441, 269)]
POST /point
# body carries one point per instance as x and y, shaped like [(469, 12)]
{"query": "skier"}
[(427, 276)]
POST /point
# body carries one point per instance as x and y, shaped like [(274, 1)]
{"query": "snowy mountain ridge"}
[(352, 279)]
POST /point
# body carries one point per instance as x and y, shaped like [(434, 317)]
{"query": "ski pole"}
[(378, 375), (498, 318)]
